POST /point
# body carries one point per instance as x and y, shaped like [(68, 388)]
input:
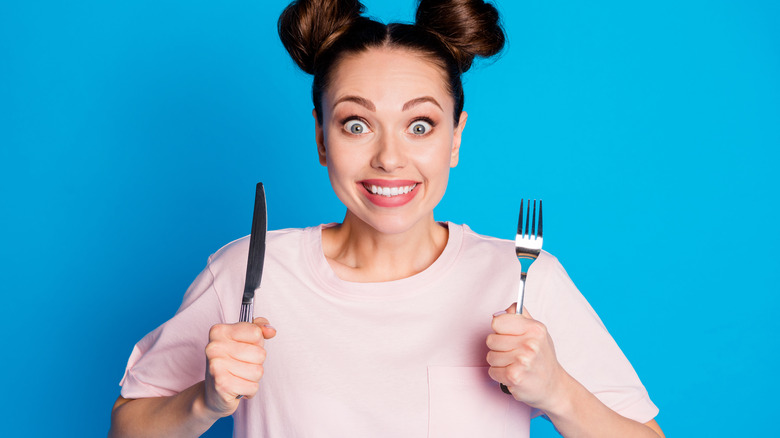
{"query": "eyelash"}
[(425, 119), (353, 117)]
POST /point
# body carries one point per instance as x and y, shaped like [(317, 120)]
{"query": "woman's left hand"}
[(522, 357)]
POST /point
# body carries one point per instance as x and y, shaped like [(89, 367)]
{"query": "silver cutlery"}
[(254, 263), (528, 245)]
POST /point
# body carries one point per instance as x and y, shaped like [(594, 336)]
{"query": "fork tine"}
[(540, 218), (520, 220), (533, 221), (527, 218)]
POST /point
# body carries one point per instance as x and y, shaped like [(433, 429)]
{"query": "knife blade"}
[(254, 264)]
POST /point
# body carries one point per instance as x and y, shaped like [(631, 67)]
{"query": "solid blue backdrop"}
[(132, 135)]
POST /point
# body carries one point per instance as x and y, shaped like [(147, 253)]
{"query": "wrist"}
[(199, 408), (563, 392)]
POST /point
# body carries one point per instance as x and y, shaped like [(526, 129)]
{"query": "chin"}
[(394, 223), (392, 220)]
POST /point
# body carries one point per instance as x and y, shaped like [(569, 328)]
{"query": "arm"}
[(234, 365), (523, 357), (183, 414), (579, 413)]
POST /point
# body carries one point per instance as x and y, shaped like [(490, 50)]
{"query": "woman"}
[(385, 319)]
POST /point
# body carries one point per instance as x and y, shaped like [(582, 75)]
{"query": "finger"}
[(219, 332), (246, 332), (510, 324), (241, 332), (250, 372), (222, 366), (501, 342), (499, 375), (248, 353), (268, 330), (260, 321), (501, 358), (512, 375), (229, 387), (513, 309)]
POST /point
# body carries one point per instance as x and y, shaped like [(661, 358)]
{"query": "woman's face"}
[(388, 138)]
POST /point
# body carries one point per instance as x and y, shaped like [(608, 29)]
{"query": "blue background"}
[(132, 135)]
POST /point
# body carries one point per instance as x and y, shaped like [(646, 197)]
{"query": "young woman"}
[(387, 322)]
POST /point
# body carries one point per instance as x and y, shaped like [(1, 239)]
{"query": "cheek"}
[(438, 162), (343, 165)]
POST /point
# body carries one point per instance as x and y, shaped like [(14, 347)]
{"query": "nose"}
[(389, 155)]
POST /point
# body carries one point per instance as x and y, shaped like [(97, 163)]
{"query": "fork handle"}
[(521, 293), (518, 310)]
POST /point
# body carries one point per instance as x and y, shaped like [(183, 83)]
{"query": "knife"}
[(254, 264)]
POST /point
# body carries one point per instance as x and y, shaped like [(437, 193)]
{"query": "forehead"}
[(388, 74)]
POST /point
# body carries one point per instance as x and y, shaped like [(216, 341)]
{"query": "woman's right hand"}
[(234, 363)]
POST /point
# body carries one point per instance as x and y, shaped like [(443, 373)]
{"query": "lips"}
[(389, 193)]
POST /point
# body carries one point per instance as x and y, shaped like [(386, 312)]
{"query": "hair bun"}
[(306, 27), (469, 27)]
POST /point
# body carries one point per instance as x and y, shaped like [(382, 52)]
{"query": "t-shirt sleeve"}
[(171, 358), (583, 345)]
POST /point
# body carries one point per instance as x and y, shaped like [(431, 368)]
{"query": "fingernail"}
[(269, 326), (499, 313)]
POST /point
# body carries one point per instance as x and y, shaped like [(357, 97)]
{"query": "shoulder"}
[(276, 240), (226, 268), (498, 255), (488, 245), (484, 246)]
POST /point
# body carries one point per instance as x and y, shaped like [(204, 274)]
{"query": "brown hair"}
[(451, 33)]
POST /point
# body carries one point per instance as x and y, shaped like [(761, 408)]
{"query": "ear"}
[(319, 138), (456, 139)]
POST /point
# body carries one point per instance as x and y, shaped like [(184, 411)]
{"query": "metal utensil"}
[(254, 264), (528, 245)]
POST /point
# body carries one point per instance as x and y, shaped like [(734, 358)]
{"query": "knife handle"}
[(246, 312)]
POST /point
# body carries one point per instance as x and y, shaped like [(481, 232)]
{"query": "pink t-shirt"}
[(402, 358)]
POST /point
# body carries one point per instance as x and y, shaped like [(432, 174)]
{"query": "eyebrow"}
[(358, 100), (419, 100), (371, 107)]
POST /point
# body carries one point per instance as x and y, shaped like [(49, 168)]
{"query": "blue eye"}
[(356, 127), (420, 127)]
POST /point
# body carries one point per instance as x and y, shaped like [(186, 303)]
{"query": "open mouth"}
[(389, 191)]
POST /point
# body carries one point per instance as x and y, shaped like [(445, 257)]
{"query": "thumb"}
[(268, 330), (513, 309)]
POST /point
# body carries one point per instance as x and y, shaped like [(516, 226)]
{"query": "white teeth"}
[(391, 191)]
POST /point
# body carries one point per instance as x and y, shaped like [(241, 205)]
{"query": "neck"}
[(358, 252)]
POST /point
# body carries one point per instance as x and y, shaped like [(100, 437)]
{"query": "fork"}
[(528, 245)]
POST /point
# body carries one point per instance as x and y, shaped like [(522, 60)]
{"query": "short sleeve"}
[(171, 358), (583, 345)]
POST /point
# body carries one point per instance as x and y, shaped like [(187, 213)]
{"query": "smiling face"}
[(388, 137)]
